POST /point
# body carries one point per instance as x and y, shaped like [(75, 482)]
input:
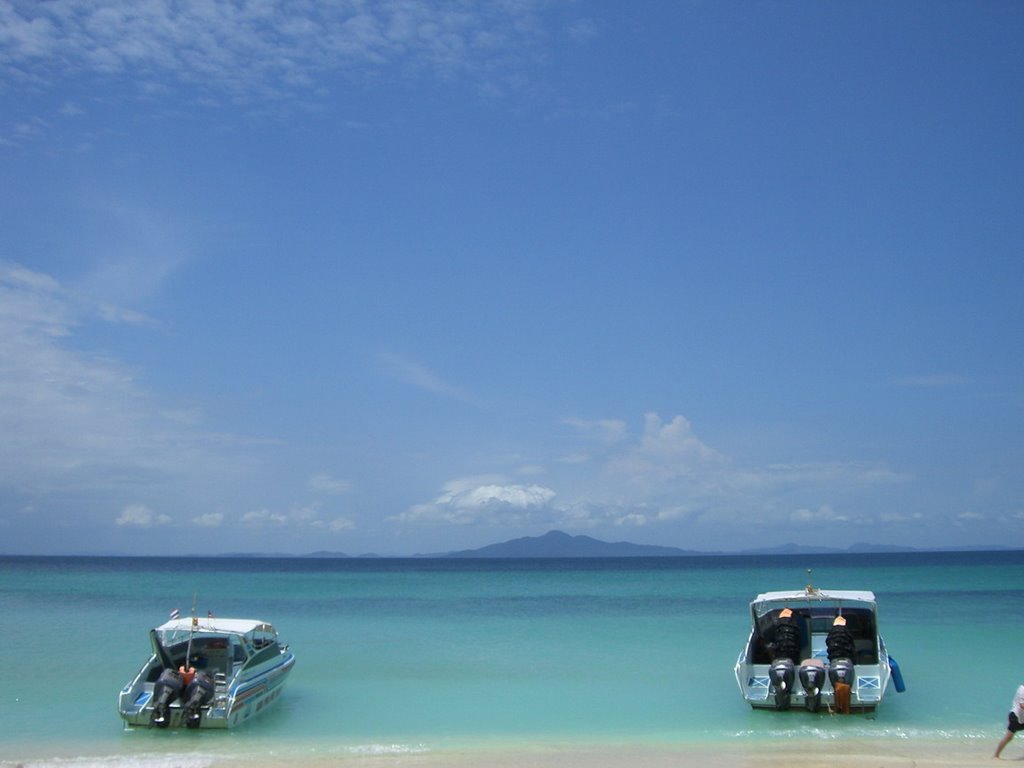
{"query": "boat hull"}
[(870, 683), (789, 661), (233, 704)]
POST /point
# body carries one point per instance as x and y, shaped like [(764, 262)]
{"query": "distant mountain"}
[(807, 549), (560, 544), (328, 555), (866, 547), (792, 549), (251, 555)]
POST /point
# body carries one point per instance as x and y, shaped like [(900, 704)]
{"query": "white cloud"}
[(667, 453), (824, 513), (517, 496), (299, 518), (210, 520), (472, 501), (263, 517), (141, 516)]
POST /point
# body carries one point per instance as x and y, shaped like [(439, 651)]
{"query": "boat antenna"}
[(191, 631), (810, 583)]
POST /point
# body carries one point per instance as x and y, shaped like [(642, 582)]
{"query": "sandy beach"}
[(814, 754)]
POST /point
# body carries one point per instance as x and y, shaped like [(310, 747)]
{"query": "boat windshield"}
[(263, 636)]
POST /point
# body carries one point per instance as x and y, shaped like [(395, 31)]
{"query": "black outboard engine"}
[(198, 694), (841, 671), (782, 673), (812, 677), (166, 689)]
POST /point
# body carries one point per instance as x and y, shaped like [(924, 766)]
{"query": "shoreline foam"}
[(812, 753)]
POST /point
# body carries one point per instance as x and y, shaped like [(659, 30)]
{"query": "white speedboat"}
[(207, 673), (790, 660)]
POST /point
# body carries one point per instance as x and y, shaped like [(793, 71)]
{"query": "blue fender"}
[(897, 676)]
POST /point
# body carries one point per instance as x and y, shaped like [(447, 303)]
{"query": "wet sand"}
[(812, 754)]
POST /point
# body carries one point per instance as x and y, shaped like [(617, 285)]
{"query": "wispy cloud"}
[(264, 517), (210, 520), (72, 419), (583, 30), (601, 430), (419, 376), (249, 50), (133, 249), (933, 381), (663, 475), (141, 516), (296, 520), (324, 483)]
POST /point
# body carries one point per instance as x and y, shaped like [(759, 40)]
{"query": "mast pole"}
[(191, 631)]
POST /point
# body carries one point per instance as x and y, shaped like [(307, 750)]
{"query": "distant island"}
[(559, 544)]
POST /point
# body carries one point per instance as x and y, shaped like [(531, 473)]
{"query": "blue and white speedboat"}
[(789, 660), (207, 673)]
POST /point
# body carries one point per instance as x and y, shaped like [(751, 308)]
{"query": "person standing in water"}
[(1015, 720)]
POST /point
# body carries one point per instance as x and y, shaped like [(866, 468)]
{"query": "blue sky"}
[(406, 277)]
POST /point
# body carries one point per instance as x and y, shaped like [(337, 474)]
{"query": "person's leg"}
[(1003, 742)]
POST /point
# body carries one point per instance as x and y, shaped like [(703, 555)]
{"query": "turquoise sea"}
[(418, 656)]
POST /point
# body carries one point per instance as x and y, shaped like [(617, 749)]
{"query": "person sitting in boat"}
[(787, 637), (839, 641)]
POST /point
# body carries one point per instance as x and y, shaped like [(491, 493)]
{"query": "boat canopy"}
[(823, 598), (258, 633)]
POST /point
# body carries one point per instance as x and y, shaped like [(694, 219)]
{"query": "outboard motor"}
[(198, 694), (812, 677), (782, 673), (166, 689), (841, 673)]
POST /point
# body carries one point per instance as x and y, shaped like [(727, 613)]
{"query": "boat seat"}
[(865, 652)]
